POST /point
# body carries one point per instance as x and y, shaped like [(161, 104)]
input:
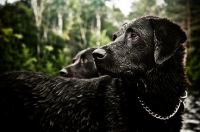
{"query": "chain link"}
[(156, 115)]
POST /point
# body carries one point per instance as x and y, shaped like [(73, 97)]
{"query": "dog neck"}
[(162, 93), (161, 116)]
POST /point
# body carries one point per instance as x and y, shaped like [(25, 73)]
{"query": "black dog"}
[(148, 53), (83, 66), (144, 93)]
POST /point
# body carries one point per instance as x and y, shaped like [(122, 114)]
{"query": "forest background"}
[(44, 35)]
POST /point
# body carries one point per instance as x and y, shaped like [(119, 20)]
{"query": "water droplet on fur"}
[(80, 96)]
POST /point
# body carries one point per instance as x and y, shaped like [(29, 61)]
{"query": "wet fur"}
[(148, 54), (37, 102)]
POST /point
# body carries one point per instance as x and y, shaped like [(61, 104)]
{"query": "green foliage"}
[(193, 66), (143, 8), (176, 10), (20, 18), (99, 40), (14, 55), (193, 63), (54, 64)]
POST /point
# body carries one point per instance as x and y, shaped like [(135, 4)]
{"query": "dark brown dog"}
[(82, 66)]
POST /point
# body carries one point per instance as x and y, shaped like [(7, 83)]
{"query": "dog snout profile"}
[(64, 72), (99, 53)]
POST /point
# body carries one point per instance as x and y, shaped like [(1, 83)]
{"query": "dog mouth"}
[(71, 74), (75, 75), (112, 72)]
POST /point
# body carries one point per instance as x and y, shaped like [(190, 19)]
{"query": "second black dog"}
[(82, 66)]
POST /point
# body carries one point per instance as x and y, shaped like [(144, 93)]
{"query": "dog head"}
[(82, 66), (138, 46)]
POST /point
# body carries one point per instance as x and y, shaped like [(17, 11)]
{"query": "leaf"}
[(7, 31), (19, 36), (49, 48)]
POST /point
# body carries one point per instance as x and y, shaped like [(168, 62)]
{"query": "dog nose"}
[(63, 72), (99, 53)]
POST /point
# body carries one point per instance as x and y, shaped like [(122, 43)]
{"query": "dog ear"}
[(168, 36)]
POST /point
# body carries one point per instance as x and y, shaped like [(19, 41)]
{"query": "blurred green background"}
[(44, 35)]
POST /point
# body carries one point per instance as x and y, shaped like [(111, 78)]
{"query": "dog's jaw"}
[(115, 74)]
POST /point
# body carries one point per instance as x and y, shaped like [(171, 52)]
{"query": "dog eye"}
[(134, 36), (84, 60)]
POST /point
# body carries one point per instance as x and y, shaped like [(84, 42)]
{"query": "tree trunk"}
[(60, 23), (98, 18), (38, 8), (83, 33)]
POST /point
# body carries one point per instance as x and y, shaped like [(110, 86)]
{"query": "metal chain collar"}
[(159, 116)]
